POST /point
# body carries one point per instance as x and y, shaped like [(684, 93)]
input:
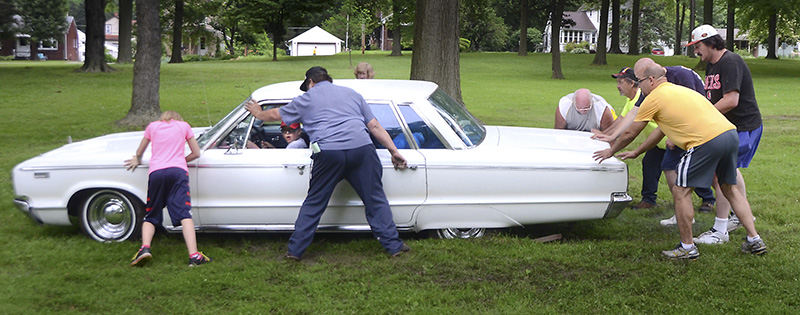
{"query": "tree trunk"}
[(397, 50), (435, 57), (633, 43), (600, 49), (729, 37), (275, 40), (177, 34), (555, 38), (708, 12), (34, 42), (146, 69), (95, 38), (689, 50), (772, 38), (362, 39), (523, 28), (125, 18), (677, 44), (615, 28)]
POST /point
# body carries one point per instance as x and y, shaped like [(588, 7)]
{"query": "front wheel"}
[(111, 216), (452, 233)]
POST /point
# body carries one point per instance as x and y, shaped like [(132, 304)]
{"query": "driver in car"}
[(294, 136)]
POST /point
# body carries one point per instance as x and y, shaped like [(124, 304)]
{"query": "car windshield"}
[(466, 126), (206, 136)]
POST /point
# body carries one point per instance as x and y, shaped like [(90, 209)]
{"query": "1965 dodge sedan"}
[(463, 177)]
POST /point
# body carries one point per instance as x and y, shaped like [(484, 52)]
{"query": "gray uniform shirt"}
[(334, 116)]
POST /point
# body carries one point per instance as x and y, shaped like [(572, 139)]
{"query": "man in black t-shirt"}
[(729, 87)]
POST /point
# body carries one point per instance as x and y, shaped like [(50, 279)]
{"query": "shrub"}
[(108, 57), (571, 47), (463, 44), (579, 51), (6, 58)]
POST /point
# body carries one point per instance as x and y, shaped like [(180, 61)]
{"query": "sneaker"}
[(142, 257), (734, 223), (680, 253), (671, 221), (199, 259), (757, 247), (712, 236), (403, 249), (643, 205), (706, 207), (291, 257)]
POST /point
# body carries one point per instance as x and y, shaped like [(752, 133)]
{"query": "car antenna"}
[(205, 101)]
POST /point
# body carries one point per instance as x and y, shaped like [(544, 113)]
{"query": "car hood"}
[(545, 139), (108, 150)]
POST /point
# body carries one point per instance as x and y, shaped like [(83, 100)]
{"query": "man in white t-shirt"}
[(583, 111)]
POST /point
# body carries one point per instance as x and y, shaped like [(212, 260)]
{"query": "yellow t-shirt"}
[(685, 116), (650, 125)]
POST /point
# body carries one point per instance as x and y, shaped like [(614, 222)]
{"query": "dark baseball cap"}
[(626, 73), (311, 72)]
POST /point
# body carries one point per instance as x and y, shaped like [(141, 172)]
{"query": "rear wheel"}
[(111, 216), (452, 233)]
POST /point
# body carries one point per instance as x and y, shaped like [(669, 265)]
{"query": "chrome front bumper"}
[(22, 204), (619, 200)]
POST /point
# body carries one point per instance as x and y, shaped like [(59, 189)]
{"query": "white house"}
[(315, 41)]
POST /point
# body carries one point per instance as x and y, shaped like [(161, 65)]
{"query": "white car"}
[(463, 177)]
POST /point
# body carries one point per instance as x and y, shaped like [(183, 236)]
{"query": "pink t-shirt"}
[(168, 139)]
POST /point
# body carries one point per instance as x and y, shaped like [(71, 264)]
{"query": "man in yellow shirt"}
[(692, 123)]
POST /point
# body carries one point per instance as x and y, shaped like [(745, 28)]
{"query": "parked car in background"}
[(463, 177), (657, 51)]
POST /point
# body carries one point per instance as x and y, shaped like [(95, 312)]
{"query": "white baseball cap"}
[(702, 32)]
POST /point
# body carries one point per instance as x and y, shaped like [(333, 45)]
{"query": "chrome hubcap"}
[(109, 216), (452, 233)]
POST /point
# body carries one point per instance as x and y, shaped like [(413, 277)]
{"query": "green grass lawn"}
[(600, 266)]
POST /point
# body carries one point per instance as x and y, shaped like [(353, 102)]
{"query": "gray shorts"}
[(715, 157)]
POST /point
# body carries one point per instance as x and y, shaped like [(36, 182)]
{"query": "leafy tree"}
[(765, 21), (7, 25), (125, 31), (177, 33), (633, 43), (555, 30), (353, 20), (95, 38), (481, 25), (534, 42), (147, 67), (402, 13), (436, 40), (600, 49), (43, 20), (271, 16)]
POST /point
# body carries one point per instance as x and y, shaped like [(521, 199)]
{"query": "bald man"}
[(711, 145), (583, 111)]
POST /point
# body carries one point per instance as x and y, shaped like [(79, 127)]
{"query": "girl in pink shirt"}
[(168, 183)]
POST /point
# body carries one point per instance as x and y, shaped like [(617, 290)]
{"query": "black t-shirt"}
[(730, 73)]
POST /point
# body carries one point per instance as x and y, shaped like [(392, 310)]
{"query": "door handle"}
[(300, 167)]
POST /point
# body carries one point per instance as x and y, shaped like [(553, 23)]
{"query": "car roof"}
[(397, 90)]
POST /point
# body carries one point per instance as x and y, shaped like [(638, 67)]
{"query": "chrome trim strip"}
[(550, 168), (248, 228), (619, 200), (74, 167)]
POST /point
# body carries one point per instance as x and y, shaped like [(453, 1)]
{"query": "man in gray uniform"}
[(339, 123)]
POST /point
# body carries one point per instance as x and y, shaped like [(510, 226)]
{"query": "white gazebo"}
[(315, 41)]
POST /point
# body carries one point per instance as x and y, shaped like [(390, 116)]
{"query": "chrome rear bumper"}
[(619, 200)]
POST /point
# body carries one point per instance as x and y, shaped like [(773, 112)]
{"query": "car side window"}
[(250, 133), (385, 115), (423, 135)]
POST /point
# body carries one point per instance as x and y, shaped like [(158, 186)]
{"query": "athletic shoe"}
[(643, 205), (288, 256), (757, 247), (734, 223), (142, 257), (681, 253), (671, 221), (712, 236), (706, 207), (403, 249), (199, 259)]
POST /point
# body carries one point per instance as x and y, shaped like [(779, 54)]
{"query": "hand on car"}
[(253, 107), (602, 155), (599, 135), (398, 160), (131, 164)]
